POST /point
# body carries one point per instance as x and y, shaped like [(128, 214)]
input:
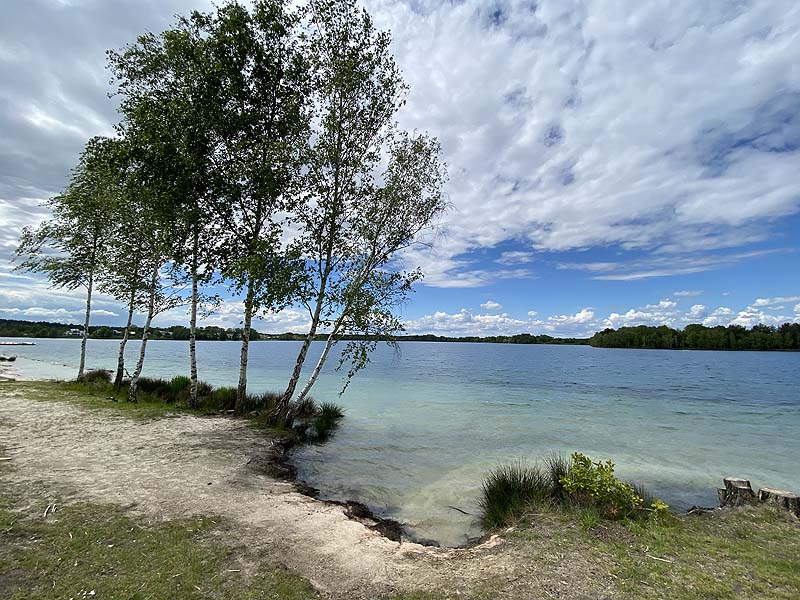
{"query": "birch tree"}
[(220, 97), (260, 138), (354, 221), (168, 99), (387, 222), (69, 247)]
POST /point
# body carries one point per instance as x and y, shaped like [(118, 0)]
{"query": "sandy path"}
[(182, 466)]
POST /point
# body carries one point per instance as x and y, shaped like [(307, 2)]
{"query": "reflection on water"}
[(424, 426)]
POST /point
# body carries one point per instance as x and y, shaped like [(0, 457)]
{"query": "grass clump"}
[(579, 484), (94, 376), (510, 490), (316, 423)]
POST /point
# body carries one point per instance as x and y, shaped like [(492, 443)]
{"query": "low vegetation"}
[(581, 485), (314, 423), (86, 551)]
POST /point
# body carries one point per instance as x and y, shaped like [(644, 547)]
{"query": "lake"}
[(424, 425)]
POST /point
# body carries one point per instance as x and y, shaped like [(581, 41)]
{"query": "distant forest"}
[(693, 337), (41, 329), (700, 337)]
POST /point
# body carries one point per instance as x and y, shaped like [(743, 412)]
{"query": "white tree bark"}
[(241, 391), (145, 334), (315, 374), (125, 334), (193, 330), (85, 337)]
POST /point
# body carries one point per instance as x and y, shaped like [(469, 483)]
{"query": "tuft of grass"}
[(306, 408), (223, 398), (589, 517), (557, 467), (330, 411), (511, 490), (96, 376)]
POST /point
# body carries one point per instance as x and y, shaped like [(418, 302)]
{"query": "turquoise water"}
[(424, 426)]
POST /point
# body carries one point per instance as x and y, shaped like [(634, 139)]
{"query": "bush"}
[(576, 484), (96, 376), (223, 398), (558, 467), (179, 384), (306, 408), (155, 386), (593, 483), (330, 411), (510, 490), (260, 402)]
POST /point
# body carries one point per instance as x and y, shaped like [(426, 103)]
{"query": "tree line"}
[(700, 337), (46, 329), (257, 149)]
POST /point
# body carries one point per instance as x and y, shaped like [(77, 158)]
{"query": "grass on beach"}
[(85, 551)]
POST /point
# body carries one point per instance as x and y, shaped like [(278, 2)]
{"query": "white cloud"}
[(772, 301), (491, 305), (561, 128), (533, 313), (698, 311), (465, 323), (515, 258), (688, 293)]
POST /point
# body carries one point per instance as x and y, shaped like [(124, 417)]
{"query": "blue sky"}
[(610, 163)]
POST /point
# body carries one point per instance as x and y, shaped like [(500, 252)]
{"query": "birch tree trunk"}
[(89, 286), (121, 357), (193, 328), (313, 379), (241, 391), (145, 334), (282, 407)]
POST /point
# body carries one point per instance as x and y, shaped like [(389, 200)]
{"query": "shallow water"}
[(425, 425)]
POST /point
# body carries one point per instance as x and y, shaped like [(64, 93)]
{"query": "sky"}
[(611, 163)]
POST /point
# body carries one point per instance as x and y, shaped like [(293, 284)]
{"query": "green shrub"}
[(331, 411), (260, 402), (223, 398), (306, 408), (155, 386), (96, 376), (179, 384), (594, 483), (510, 490), (558, 467)]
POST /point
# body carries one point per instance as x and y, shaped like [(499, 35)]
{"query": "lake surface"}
[(424, 426)]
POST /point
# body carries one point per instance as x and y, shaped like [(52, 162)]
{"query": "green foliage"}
[(578, 483), (101, 376), (660, 510), (594, 483), (331, 411), (223, 398), (179, 384), (306, 408), (700, 337)]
